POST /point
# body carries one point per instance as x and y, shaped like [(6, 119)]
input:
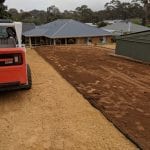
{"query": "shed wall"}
[(136, 50)]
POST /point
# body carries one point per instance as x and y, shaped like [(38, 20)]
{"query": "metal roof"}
[(125, 27), (142, 37), (65, 28), (27, 27)]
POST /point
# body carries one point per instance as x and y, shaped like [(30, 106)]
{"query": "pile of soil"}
[(117, 87)]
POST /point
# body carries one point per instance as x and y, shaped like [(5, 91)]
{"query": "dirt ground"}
[(117, 87), (54, 116), (109, 46)]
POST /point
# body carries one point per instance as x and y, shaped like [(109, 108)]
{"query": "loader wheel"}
[(29, 78)]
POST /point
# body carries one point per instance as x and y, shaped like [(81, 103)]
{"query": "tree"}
[(147, 11), (38, 16), (146, 7), (53, 13), (116, 9), (84, 13), (3, 10), (14, 14), (101, 24)]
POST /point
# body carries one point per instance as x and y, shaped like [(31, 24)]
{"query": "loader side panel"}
[(10, 71)]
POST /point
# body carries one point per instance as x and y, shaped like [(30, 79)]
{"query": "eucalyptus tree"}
[(3, 10), (146, 7)]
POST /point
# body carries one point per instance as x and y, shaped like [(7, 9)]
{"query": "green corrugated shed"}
[(136, 46)]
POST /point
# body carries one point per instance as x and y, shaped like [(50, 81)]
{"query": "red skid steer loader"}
[(15, 73)]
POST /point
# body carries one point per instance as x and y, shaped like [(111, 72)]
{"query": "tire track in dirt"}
[(127, 78)]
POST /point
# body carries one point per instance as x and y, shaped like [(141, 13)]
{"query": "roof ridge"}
[(84, 23), (61, 28)]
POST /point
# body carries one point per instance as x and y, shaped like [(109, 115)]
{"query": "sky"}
[(61, 4)]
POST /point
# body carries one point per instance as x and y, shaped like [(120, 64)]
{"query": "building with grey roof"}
[(27, 27), (112, 21), (124, 27), (66, 31)]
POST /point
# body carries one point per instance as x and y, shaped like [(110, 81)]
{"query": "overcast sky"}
[(61, 4)]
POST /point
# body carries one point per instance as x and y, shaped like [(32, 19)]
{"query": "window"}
[(3, 32), (101, 39), (88, 40), (7, 37), (71, 41)]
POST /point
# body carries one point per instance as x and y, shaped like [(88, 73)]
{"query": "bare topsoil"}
[(117, 87)]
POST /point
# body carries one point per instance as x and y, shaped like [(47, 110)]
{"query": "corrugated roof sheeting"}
[(124, 27), (27, 27), (143, 37), (36, 32), (64, 28)]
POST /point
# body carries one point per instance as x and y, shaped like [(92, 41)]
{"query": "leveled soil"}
[(117, 87), (54, 116), (109, 46)]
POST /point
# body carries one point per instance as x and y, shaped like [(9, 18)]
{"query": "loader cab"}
[(7, 37), (10, 34)]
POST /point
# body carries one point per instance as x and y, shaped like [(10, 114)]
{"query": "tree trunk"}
[(147, 12)]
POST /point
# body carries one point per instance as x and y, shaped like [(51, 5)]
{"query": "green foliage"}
[(101, 24), (146, 8), (53, 13), (84, 13), (136, 21), (3, 10), (2, 1), (142, 2), (124, 10), (115, 9)]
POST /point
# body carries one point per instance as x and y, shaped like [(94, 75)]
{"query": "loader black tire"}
[(29, 85)]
